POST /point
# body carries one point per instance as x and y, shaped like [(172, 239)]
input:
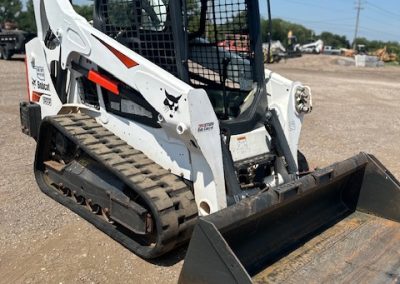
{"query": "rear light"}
[(36, 97)]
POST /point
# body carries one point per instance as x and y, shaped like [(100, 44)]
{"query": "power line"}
[(325, 21), (378, 31), (383, 10), (338, 23), (359, 8), (330, 21), (314, 5), (380, 21), (332, 27)]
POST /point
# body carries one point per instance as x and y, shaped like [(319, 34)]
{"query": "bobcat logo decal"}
[(171, 104)]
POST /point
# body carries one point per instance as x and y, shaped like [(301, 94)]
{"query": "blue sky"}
[(379, 19)]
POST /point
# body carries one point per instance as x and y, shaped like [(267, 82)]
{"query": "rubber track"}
[(168, 194)]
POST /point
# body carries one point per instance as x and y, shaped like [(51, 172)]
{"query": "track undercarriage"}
[(118, 189)]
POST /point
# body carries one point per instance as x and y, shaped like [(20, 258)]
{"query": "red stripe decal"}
[(27, 78), (103, 81), (129, 63), (36, 97)]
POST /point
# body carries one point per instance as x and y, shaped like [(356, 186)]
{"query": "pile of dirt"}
[(344, 61)]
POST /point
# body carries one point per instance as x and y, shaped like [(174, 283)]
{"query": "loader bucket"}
[(267, 239)]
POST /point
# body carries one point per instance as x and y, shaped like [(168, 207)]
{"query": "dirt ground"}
[(42, 242)]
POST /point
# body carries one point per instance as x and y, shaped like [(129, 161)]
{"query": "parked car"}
[(331, 50)]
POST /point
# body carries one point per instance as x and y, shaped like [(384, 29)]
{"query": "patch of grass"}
[(394, 63)]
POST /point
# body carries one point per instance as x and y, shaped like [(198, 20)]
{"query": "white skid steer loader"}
[(150, 130)]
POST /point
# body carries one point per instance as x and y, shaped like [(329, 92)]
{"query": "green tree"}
[(85, 11), (193, 15), (234, 26), (10, 10), (281, 28), (26, 20), (334, 40)]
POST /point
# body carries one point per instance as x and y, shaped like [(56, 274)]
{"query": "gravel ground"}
[(42, 242), (354, 110)]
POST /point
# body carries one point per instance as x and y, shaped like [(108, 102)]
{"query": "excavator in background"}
[(384, 55), (361, 49), (154, 133)]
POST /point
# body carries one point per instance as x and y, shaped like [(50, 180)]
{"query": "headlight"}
[(303, 100)]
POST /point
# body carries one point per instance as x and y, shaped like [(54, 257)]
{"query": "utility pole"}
[(359, 8)]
